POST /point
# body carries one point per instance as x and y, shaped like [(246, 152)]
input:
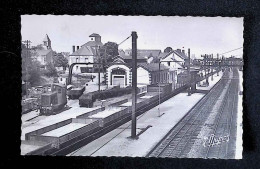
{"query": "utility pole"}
[(217, 64), (159, 111), (27, 42), (134, 83), (212, 67), (105, 62), (98, 57), (206, 70), (189, 75)]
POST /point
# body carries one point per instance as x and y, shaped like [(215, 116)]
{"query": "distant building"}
[(87, 53), (143, 55), (44, 53)]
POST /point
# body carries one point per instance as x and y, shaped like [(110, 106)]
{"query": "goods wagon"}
[(107, 116)]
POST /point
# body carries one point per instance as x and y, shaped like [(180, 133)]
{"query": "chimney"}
[(73, 48), (179, 50), (183, 51), (77, 47)]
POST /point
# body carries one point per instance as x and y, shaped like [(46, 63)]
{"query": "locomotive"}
[(53, 98)]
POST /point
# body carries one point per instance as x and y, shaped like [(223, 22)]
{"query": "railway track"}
[(186, 138)]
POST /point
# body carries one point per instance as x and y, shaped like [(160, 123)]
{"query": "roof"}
[(141, 54), (46, 38), (152, 67), (94, 35), (43, 51), (164, 55), (93, 44), (124, 56), (145, 52), (180, 54), (84, 51)]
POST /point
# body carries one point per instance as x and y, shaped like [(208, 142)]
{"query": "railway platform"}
[(152, 126), (211, 129)]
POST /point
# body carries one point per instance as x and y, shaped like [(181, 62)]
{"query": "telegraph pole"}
[(212, 67), (28, 42), (134, 83), (189, 75), (159, 111), (218, 65), (98, 57)]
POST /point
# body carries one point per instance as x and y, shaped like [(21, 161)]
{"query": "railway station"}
[(138, 103), (206, 127)]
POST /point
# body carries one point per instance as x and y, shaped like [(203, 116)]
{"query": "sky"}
[(203, 35)]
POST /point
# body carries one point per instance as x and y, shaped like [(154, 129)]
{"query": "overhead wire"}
[(124, 40), (231, 51)]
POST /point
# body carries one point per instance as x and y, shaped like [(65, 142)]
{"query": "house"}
[(44, 54), (175, 61), (87, 53), (143, 55)]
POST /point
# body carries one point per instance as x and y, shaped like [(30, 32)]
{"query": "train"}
[(53, 98)]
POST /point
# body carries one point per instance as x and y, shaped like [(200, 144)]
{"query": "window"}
[(77, 67), (77, 60), (86, 60), (91, 38)]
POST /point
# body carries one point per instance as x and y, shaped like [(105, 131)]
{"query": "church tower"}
[(47, 42)]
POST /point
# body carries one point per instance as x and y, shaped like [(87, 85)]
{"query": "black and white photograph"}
[(132, 86)]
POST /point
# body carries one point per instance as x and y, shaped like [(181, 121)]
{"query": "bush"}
[(87, 100)]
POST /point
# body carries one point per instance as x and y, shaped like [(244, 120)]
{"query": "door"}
[(119, 80)]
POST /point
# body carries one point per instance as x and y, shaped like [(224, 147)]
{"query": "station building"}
[(119, 73)]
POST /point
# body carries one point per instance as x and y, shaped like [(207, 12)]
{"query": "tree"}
[(60, 61), (167, 50), (108, 52), (51, 70)]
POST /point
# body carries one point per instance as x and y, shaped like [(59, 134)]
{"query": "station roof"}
[(141, 53), (152, 67)]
